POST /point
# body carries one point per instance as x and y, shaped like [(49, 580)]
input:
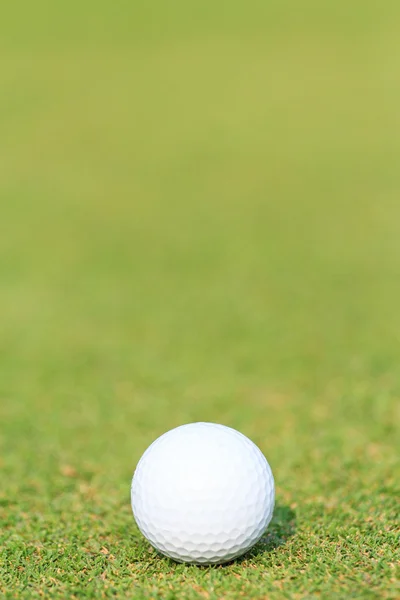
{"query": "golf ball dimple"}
[(203, 493)]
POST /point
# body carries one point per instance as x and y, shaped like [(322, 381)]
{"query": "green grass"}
[(199, 220)]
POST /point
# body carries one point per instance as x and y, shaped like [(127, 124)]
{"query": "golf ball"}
[(203, 493)]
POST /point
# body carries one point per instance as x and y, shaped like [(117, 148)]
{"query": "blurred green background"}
[(199, 220)]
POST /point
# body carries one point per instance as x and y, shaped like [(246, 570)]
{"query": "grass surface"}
[(200, 220)]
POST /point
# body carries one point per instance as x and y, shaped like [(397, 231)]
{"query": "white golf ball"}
[(203, 493)]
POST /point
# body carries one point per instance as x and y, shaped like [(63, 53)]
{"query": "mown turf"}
[(199, 220)]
